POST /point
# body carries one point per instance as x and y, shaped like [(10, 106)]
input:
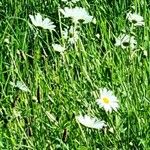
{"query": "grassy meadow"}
[(60, 86)]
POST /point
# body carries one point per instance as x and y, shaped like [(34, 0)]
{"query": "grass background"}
[(69, 85)]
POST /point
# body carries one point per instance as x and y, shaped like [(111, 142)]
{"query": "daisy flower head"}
[(107, 100), (58, 48), (20, 85), (71, 34), (43, 23), (90, 122), (126, 41), (77, 13), (136, 19)]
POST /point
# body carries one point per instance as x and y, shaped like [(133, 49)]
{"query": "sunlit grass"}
[(65, 85)]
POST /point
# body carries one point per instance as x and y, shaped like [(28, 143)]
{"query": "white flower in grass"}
[(76, 14), (20, 85), (126, 41), (136, 19), (72, 40), (58, 48), (43, 23), (107, 100), (90, 122), (72, 35)]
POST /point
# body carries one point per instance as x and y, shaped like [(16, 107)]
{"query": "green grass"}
[(67, 86)]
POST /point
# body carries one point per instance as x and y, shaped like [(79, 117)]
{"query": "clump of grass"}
[(43, 90)]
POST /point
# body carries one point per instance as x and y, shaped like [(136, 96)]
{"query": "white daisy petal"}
[(22, 86), (38, 19), (58, 48), (90, 122), (33, 20), (71, 34)]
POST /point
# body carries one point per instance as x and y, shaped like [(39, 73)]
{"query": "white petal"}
[(90, 122), (38, 19), (33, 20), (22, 86)]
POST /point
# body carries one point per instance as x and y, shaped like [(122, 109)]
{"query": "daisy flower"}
[(136, 19), (126, 41), (107, 100), (58, 48), (76, 14), (43, 23), (71, 34), (20, 85), (90, 122)]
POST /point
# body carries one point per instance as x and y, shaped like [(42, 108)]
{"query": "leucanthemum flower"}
[(58, 48), (126, 41), (43, 23), (136, 19), (71, 34), (107, 100), (76, 14), (20, 85), (90, 122)]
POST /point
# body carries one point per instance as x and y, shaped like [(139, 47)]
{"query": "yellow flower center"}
[(106, 100)]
